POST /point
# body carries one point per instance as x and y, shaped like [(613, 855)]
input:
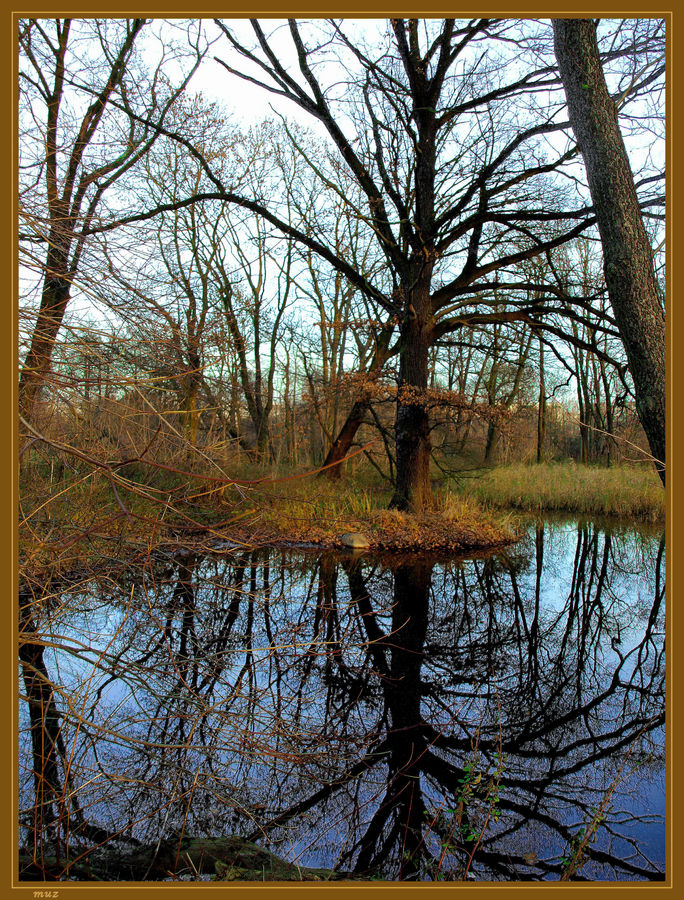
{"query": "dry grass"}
[(76, 521), (317, 512), (77, 524), (632, 492)]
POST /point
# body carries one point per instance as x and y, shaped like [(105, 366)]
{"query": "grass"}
[(318, 512), (78, 524), (631, 492), (77, 521)]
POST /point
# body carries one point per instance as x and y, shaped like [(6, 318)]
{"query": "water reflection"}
[(415, 720)]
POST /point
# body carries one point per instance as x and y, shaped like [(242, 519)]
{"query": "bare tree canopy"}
[(436, 127)]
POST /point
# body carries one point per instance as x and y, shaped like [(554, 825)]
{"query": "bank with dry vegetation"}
[(97, 518), (320, 514)]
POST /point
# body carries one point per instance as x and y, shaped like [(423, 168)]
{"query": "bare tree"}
[(89, 114), (432, 196), (627, 250), (439, 124)]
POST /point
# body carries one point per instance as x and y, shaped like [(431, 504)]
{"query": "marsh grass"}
[(319, 512), (632, 492), (286, 507)]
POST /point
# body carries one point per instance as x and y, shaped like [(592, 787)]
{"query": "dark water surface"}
[(404, 719)]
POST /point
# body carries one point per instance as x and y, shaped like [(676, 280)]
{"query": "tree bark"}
[(627, 254), (342, 443), (36, 367), (609, 421), (191, 388), (412, 426), (541, 412), (491, 443)]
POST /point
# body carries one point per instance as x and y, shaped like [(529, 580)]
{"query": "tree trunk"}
[(583, 416), (541, 413), (412, 427), (64, 159), (263, 445), (627, 254), (193, 379), (610, 423), (491, 444), (344, 440), (53, 304), (342, 443)]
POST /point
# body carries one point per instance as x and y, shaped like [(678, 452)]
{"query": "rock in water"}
[(355, 540)]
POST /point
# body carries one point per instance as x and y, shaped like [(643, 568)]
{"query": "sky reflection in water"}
[(413, 719)]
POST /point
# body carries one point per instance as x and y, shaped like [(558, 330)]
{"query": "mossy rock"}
[(230, 858), (234, 858), (278, 871)]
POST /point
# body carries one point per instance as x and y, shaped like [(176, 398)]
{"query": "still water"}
[(494, 718)]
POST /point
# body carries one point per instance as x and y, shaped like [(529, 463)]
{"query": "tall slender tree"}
[(627, 250)]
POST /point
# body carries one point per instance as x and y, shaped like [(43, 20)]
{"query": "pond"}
[(492, 718)]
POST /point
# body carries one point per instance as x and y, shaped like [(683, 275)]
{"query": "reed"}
[(632, 492)]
